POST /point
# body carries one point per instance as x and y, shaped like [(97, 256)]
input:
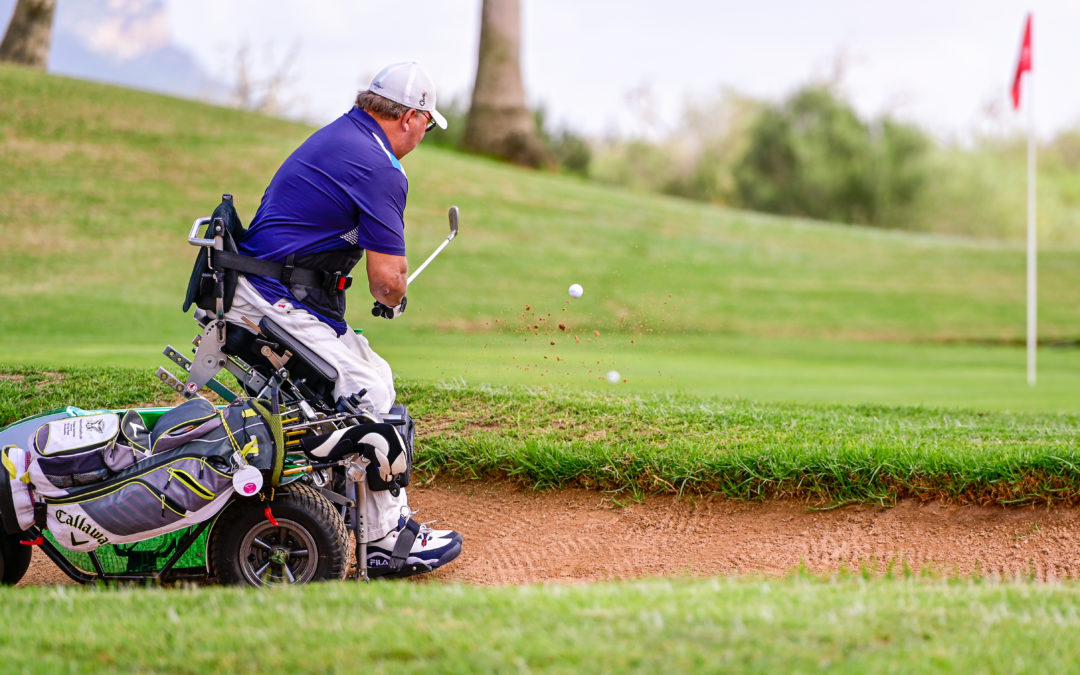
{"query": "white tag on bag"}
[(247, 481)]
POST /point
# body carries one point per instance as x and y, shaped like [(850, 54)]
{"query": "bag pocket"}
[(71, 451), (76, 435), (180, 493), (190, 420)]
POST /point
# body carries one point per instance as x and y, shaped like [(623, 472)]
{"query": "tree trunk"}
[(29, 33), (499, 123)]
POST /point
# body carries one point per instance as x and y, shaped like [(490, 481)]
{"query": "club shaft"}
[(431, 257)]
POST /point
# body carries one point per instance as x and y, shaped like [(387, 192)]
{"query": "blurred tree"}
[(570, 151), (812, 156), (265, 94), (711, 137), (499, 123), (29, 33)]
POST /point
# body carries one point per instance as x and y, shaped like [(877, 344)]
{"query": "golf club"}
[(453, 233)]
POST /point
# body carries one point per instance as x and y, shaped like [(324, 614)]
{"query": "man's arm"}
[(387, 277)]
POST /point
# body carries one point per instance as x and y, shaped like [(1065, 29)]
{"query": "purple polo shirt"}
[(343, 188)]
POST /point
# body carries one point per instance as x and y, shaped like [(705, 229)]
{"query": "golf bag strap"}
[(406, 538)]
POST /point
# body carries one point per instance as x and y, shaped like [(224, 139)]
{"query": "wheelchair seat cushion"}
[(316, 362)]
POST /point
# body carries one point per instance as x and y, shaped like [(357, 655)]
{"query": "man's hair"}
[(371, 102)]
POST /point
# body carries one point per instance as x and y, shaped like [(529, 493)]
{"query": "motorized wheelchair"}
[(281, 507)]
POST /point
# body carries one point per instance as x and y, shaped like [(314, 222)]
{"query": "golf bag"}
[(106, 478)]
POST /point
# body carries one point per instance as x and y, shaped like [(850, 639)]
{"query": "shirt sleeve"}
[(381, 220)]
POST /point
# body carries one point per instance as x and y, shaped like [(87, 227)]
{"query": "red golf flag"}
[(1023, 64)]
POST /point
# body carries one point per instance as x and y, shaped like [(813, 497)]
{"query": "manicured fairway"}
[(758, 357), (797, 624), (722, 366)]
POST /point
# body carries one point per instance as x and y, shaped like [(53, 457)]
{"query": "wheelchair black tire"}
[(14, 559), (308, 543)]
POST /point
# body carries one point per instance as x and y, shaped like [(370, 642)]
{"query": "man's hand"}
[(387, 312)]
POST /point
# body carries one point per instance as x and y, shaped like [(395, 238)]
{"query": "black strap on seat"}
[(403, 546), (288, 274)]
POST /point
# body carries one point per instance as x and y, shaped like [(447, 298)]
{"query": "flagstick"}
[(1031, 243)]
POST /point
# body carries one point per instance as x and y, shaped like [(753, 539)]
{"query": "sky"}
[(631, 66)]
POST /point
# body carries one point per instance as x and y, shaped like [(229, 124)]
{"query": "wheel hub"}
[(279, 553), (279, 556)]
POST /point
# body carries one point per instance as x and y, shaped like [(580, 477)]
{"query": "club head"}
[(453, 221)]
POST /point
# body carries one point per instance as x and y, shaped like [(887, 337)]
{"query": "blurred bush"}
[(695, 162), (812, 156), (571, 151), (455, 112)]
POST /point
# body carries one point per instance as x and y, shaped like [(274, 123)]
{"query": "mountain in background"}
[(124, 42)]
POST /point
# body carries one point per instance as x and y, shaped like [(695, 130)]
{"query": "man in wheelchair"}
[(339, 197)]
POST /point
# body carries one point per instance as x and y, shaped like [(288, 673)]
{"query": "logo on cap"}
[(423, 99)]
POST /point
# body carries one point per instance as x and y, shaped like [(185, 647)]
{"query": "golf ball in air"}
[(613, 376), (576, 290)]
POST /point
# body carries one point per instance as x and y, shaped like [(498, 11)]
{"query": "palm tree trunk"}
[(499, 122), (29, 33)]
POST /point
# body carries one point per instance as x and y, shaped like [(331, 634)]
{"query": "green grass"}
[(762, 357), (99, 187), (793, 328), (687, 445), (746, 450), (795, 624), (733, 366), (778, 370)]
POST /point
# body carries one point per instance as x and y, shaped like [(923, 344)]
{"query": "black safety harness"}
[(217, 268), (288, 273)]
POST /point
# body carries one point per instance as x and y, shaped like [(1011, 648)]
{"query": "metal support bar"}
[(97, 564), (249, 378), (79, 576), (61, 561), (356, 490), (183, 547)]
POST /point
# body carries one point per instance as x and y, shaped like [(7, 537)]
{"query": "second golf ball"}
[(576, 290)]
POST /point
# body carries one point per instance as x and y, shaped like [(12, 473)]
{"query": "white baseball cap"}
[(408, 84)]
